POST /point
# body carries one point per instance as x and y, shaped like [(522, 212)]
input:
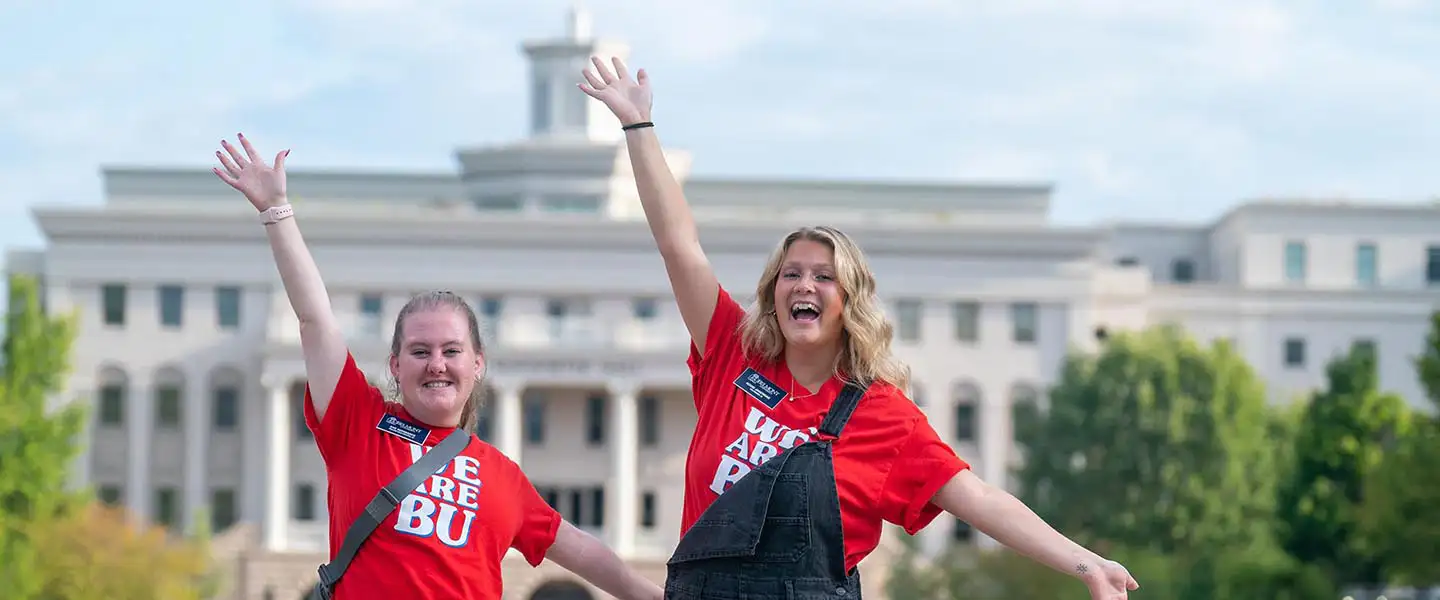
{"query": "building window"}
[(172, 305), (649, 421), (297, 412), (222, 509), (112, 300), (644, 308), (1432, 265), (539, 105), (112, 404), (227, 307), (595, 419), (484, 415), (534, 409), (962, 532), (597, 507), (965, 422), (1127, 261), (967, 321), (109, 494), (303, 507), (1024, 320), (370, 307), (226, 408), (907, 317), (647, 510), (509, 203), (1182, 270), (1365, 265), (1294, 352), (166, 511), (1295, 262), (1367, 346), (571, 203), (167, 406)]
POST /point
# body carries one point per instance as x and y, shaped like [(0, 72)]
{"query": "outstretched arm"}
[(662, 198), (320, 338), (1002, 516), (582, 554)]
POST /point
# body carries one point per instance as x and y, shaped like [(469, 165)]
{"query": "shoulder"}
[(885, 401)]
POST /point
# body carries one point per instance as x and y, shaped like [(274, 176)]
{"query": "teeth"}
[(804, 306), (437, 384)]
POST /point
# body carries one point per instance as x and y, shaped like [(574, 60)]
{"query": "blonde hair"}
[(865, 338), (445, 299)]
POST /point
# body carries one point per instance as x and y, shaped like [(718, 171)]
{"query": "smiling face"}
[(436, 364), (809, 302)]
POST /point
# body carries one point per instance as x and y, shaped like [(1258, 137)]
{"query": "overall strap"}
[(387, 499), (841, 409)]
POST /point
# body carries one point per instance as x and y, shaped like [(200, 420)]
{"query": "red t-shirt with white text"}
[(447, 538), (889, 462)]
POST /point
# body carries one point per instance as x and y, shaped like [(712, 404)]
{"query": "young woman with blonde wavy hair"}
[(804, 442)]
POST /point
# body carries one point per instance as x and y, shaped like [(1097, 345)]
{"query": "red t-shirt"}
[(889, 462), (447, 538)]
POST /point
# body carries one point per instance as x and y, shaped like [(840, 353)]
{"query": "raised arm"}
[(672, 225), (320, 338)]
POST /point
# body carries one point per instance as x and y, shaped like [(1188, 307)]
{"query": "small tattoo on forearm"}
[(1082, 569)]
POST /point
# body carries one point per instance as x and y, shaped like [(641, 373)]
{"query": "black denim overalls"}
[(776, 533)]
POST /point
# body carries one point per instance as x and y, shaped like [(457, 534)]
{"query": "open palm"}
[(628, 98), (1112, 582), (262, 184)]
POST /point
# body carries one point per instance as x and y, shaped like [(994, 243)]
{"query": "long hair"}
[(445, 299), (865, 336)]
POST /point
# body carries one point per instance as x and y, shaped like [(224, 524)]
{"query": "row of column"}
[(995, 441), (508, 425), (140, 435), (622, 497)]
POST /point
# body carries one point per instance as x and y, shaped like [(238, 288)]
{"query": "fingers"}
[(620, 71), (280, 159), (595, 82), (235, 154), (227, 178), (642, 78), (229, 165), (249, 150), (604, 71)]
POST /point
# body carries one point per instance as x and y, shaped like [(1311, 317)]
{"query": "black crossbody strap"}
[(842, 408), (385, 502)]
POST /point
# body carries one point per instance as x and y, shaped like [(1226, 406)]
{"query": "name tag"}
[(753, 383), (403, 429)]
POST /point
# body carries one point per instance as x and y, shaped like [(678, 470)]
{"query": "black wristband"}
[(637, 125)]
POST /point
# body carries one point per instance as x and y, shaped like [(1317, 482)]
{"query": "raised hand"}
[(262, 184), (628, 98), (1110, 582)]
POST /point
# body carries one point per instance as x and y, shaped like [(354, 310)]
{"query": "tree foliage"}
[(1155, 443), (37, 445), (98, 553), (1400, 516), (1344, 434), (56, 543)]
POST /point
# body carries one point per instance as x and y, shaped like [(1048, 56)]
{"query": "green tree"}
[(1343, 435), (1400, 517), (37, 444), (1157, 444)]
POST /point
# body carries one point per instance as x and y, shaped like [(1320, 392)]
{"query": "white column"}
[(197, 415), (140, 431), (995, 442), (508, 431), (280, 428), (940, 411), (624, 448)]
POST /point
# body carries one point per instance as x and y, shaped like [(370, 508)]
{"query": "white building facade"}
[(189, 353)]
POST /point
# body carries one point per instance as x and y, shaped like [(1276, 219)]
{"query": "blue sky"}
[(1134, 109)]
